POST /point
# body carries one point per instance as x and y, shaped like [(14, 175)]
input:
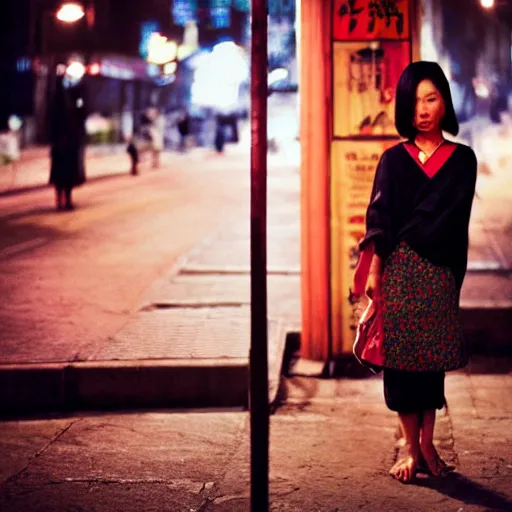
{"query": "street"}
[(71, 279), (332, 444)]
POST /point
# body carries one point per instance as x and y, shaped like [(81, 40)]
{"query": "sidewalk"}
[(332, 444), (193, 326), (33, 168), (188, 343)]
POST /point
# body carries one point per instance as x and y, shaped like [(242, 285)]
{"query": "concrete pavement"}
[(195, 320), (191, 328), (332, 444)]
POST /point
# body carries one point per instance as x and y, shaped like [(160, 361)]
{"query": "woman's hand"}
[(373, 286)]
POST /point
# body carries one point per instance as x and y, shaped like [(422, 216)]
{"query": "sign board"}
[(370, 20), (365, 79), (353, 169)]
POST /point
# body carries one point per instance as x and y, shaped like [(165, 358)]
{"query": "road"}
[(71, 279)]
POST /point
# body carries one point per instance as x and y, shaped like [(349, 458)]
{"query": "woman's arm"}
[(378, 213), (378, 234), (373, 283)]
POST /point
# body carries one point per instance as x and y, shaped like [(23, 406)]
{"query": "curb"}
[(38, 388), (28, 389)]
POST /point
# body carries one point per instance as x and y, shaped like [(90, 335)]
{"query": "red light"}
[(94, 69)]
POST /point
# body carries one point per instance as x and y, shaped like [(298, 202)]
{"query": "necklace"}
[(423, 156)]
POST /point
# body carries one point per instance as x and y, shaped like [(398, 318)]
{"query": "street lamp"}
[(70, 12)]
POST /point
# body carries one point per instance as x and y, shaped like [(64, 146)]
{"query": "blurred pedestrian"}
[(220, 136), (156, 134), (67, 143), (133, 152), (183, 129), (414, 258)]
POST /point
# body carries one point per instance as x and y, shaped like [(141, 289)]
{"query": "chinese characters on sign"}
[(361, 20)]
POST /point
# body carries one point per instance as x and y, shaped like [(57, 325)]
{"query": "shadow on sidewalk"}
[(25, 189), (30, 212), (467, 491)]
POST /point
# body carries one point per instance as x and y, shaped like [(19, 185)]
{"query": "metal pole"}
[(258, 361)]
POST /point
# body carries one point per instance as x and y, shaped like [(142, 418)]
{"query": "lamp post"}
[(68, 13), (258, 357)]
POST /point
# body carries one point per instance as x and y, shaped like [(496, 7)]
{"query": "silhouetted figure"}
[(223, 121), (67, 143), (220, 137), (134, 156), (184, 129)]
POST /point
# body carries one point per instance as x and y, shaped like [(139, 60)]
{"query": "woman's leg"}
[(69, 203), (59, 198), (434, 463), (405, 469)]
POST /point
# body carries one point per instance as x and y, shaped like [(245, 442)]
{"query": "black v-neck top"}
[(430, 214)]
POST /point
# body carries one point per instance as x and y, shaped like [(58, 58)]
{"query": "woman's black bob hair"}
[(405, 103)]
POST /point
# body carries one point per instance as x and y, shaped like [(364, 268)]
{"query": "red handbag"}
[(369, 343)]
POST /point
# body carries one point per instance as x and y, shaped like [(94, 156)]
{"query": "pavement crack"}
[(192, 305), (471, 390), (39, 452), (237, 446), (111, 481), (448, 439), (204, 505), (53, 440)]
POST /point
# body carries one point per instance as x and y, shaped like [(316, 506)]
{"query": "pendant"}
[(422, 157)]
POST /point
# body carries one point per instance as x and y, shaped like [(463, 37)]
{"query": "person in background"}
[(133, 152), (156, 133), (183, 129), (68, 136), (414, 259)]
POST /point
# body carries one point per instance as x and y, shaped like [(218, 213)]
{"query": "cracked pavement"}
[(332, 443)]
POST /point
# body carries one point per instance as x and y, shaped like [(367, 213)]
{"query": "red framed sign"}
[(364, 20)]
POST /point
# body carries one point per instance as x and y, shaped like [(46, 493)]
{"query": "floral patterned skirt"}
[(420, 306)]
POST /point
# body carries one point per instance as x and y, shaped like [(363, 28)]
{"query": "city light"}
[(218, 76), (70, 12), (277, 75), (487, 4), (94, 69), (161, 50), (15, 123), (75, 70), (170, 68)]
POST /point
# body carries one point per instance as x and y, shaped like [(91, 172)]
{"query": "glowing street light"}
[(75, 70), (487, 4), (70, 12), (161, 50)]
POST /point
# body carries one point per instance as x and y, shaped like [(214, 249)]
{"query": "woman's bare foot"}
[(405, 469), (432, 462)]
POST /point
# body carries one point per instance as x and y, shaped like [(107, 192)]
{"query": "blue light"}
[(184, 11), (23, 65), (221, 17), (147, 28)]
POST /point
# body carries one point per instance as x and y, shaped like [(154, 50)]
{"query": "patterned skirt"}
[(420, 306)]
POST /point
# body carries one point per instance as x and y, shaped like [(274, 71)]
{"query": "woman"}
[(416, 246), (68, 144)]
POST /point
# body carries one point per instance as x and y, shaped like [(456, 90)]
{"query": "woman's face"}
[(430, 107)]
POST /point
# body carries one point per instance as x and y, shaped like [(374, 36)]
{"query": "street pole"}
[(258, 359)]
